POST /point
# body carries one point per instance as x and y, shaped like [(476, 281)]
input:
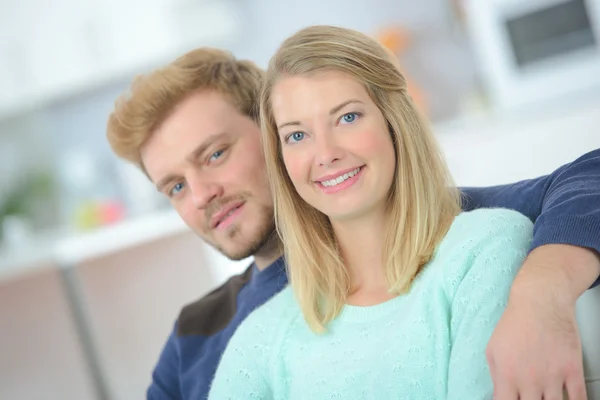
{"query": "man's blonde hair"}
[(422, 202), (153, 97)]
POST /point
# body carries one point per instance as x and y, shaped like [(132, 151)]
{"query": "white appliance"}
[(531, 51)]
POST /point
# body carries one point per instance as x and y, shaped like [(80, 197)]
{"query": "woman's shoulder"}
[(474, 229), (486, 243), (258, 335), (272, 318), (491, 217), (282, 303)]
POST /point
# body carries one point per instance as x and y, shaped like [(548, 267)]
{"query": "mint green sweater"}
[(427, 344)]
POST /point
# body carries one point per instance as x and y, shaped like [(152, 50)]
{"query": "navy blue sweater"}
[(565, 207)]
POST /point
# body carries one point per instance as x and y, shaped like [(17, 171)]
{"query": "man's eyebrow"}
[(331, 112), (201, 148), (164, 181)]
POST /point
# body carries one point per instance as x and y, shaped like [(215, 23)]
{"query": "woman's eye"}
[(349, 118), (295, 137)]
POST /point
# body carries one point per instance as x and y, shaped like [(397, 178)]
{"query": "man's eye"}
[(176, 189), (216, 155)]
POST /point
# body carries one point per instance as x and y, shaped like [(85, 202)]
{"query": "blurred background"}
[(94, 266)]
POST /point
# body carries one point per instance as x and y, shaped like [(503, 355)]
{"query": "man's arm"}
[(165, 377), (535, 351), (564, 205)]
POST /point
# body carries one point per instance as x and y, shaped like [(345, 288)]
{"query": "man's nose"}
[(203, 193)]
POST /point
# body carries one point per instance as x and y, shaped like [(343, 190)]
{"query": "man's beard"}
[(264, 235)]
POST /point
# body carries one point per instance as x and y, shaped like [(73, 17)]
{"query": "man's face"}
[(207, 159)]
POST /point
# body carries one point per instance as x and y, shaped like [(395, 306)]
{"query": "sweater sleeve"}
[(480, 294), (564, 205), (165, 377)]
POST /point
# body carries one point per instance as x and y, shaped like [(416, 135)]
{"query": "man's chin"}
[(237, 251), (237, 244), (233, 249), (238, 254)]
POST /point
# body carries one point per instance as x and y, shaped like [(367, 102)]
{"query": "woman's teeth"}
[(341, 178)]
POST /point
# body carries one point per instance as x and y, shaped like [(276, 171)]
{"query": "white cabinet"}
[(52, 51), (500, 149)]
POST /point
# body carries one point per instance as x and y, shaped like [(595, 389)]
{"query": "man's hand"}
[(535, 351)]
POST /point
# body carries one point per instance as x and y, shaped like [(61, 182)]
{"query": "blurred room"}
[(94, 265)]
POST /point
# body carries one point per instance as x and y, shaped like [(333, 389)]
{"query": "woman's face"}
[(335, 142)]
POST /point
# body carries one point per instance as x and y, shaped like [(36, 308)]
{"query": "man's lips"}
[(218, 217)]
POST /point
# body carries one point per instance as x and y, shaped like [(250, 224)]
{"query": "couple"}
[(394, 293)]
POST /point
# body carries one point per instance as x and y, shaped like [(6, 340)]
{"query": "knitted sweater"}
[(427, 344)]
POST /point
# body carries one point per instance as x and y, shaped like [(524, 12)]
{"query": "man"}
[(191, 127)]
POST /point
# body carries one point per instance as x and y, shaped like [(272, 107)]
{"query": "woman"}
[(394, 292)]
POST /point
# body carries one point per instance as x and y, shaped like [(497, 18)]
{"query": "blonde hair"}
[(422, 201), (152, 98)]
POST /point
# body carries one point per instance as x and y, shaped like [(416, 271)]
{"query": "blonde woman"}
[(394, 293)]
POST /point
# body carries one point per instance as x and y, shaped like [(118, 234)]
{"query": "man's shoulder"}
[(213, 312)]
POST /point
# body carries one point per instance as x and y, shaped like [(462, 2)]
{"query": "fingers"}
[(506, 392), (575, 387), (510, 387), (554, 391), (532, 392), (572, 389), (504, 388)]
